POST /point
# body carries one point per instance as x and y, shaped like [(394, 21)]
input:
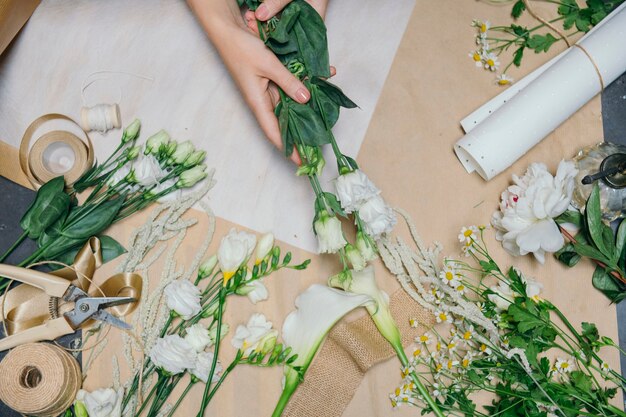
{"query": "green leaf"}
[(517, 57), (567, 255), (581, 381), (61, 245), (324, 106), (590, 252), (541, 43), (607, 284), (590, 332), (51, 202), (571, 216), (567, 7), (110, 248), (306, 125), (593, 216), (281, 33), (310, 32), (334, 93), (518, 9), (95, 222), (283, 122), (620, 238), (526, 320)]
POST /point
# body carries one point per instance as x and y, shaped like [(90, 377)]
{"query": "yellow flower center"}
[(460, 288), (476, 56), (490, 62), (451, 346), (449, 276), (465, 363), (564, 365), (483, 347), (483, 28), (450, 364), (412, 322), (424, 338), (438, 346), (468, 232), (417, 352), (397, 392), (467, 335), (443, 317), (438, 367), (503, 81)]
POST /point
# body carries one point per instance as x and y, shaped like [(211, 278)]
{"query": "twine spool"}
[(101, 118), (39, 379), (56, 153)]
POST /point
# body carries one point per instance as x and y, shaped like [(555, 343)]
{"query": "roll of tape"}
[(56, 153), (39, 379)]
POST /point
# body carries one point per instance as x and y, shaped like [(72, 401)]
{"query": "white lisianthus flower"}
[(173, 354), (377, 217), (265, 246), (154, 142), (192, 176), (503, 296), (182, 152), (147, 171), (355, 258), (255, 290), (354, 189), (329, 233), (194, 159), (525, 223), (254, 335), (234, 251), (366, 246), (131, 131), (104, 402), (198, 337), (202, 367), (183, 297)]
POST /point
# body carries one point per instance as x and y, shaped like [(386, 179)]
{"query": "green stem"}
[(292, 380), (147, 400), (15, 245), (183, 395)]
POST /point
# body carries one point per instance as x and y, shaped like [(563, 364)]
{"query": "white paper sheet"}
[(509, 125), (192, 95)]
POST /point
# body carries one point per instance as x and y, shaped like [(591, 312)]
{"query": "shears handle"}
[(50, 284), (50, 330)]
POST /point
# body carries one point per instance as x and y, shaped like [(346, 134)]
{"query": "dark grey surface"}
[(614, 124)]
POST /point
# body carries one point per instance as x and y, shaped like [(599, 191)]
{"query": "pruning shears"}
[(85, 307)]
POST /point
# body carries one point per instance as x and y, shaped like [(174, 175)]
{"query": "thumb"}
[(288, 82), (270, 8)]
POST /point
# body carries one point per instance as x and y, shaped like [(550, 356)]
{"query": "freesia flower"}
[(235, 250), (354, 189), (183, 297), (192, 176), (131, 132), (147, 171), (255, 290), (525, 223), (154, 142), (202, 367), (317, 310), (198, 337), (182, 152), (377, 217), (207, 267), (104, 402), (329, 233), (265, 246), (254, 335), (173, 354)]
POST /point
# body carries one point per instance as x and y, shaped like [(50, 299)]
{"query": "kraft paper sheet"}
[(407, 151)]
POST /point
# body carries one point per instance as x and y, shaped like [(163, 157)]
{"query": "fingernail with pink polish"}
[(262, 13), (302, 95)]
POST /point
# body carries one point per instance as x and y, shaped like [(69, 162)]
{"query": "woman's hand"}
[(255, 68)]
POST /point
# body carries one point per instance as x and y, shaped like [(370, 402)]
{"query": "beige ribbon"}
[(348, 352), (33, 162), (26, 306), (39, 379)]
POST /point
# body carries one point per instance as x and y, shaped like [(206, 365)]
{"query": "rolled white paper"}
[(508, 126)]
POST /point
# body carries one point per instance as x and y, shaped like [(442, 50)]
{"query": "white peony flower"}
[(377, 217), (104, 402), (525, 223), (265, 246), (354, 189), (198, 337), (147, 171), (234, 251), (329, 233), (183, 297), (202, 367), (173, 354), (253, 335)]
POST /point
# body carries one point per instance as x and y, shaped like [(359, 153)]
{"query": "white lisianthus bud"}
[(207, 267), (329, 233), (204, 362), (104, 402), (377, 217), (198, 337), (132, 131), (265, 246), (183, 297), (354, 189), (194, 159), (365, 245), (223, 332), (247, 338), (133, 153), (190, 177), (170, 148), (147, 171), (173, 354), (355, 258), (182, 152), (234, 251), (154, 142), (255, 290)]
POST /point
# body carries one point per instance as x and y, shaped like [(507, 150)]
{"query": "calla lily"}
[(317, 311)]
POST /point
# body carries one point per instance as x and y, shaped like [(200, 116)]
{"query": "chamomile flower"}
[(460, 289), (484, 349), (504, 79), (439, 391), (468, 249), (491, 61), (564, 366), (417, 354), (505, 342), (605, 368), (442, 317), (477, 57), (450, 364), (425, 339), (467, 360), (468, 234), (413, 322), (406, 370), (452, 345), (449, 276), (468, 334)]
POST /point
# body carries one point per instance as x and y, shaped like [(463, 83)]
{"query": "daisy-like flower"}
[(406, 370), (449, 276), (468, 235), (468, 334), (442, 317), (413, 323), (460, 289), (491, 61), (484, 349), (467, 360), (417, 354), (505, 343), (564, 366), (605, 368), (450, 364), (504, 79), (452, 345), (439, 391), (425, 339), (477, 57)]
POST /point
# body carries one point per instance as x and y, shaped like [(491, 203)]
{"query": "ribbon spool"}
[(101, 118), (39, 379), (56, 153)]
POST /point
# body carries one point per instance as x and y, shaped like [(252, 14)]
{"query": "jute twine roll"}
[(39, 379)]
